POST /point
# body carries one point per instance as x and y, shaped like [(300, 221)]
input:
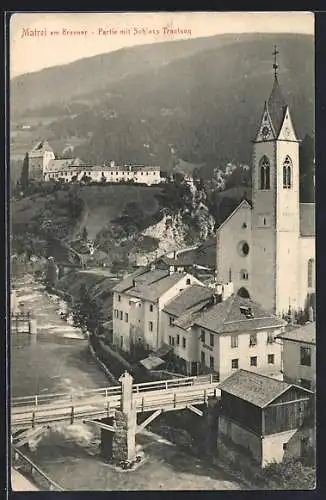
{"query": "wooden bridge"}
[(176, 394)]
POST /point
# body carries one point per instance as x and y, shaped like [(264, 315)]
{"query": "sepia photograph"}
[(162, 322)]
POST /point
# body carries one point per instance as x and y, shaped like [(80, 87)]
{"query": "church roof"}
[(307, 219), (276, 106)]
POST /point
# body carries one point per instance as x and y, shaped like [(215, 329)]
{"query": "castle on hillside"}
[(44, 167), (267, 247)]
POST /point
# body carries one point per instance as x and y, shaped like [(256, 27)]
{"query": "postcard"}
[(162, 261)]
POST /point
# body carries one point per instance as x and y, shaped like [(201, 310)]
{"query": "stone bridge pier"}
[(118, 433)]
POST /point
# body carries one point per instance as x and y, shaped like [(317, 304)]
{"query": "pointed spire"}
[(276, 102), (275, 65)]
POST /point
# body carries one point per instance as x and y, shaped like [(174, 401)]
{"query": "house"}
[(177, 321), (299, 355), (238, 333), (218, 331), (267, 247), (138, 301), (263, 415)]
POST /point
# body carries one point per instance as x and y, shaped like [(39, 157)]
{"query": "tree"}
[(84, 234), (86, 312), (25, 172)]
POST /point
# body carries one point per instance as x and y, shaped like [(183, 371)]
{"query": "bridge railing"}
[(107, 392), (46, 399), (18, 456)]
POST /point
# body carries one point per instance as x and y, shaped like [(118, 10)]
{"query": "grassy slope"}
[(105, 203)]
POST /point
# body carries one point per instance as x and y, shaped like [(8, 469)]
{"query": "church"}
[(266, 247)]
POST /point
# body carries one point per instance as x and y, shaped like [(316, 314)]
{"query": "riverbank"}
[(20, 482)]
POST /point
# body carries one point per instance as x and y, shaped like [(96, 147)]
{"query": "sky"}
[(106, 32)]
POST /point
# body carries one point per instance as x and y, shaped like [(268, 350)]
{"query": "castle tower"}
[(39, 158), (276, 210)]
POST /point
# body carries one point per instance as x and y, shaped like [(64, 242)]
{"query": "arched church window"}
[(264, 167), (311, 273), (287, 173), (243, 274)]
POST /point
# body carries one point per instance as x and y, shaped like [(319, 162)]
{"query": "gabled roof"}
[(41, 147), (191, 296), (127, 282), (148, 285), (276, 107), (307, 219), (227, 316), (242, 203), (306, 334), (154, 290), (257, 389)]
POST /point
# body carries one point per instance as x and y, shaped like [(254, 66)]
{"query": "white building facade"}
[(137, 307), (44, 167), (299, 356)]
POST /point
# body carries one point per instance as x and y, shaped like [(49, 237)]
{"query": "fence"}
[(20, 461)]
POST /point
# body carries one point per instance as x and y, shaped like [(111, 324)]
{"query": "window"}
[(305, 356), (270, 359), (234, 341), (235, 364), (202, 336), (121, 315), (121, 342), (211, 339), (287, 173), (211, 362), (230, 275), (183, 342), (202, 358), (311, 273), (126, 317), (244, 225), (119, 298), (188, 281), (243, 274), (264, 169), (304, 382), (116, 313), (243, 248), (150, 326), (253, 339), (178, 339), (270, 338), (170, 340), (285, 445), (151, 307), (170, 321), (253, 361)]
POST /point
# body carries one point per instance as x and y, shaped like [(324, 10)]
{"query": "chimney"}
[(223, 291), (174, 254)]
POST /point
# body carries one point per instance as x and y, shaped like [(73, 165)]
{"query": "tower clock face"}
[(287, 132), (265, 132)]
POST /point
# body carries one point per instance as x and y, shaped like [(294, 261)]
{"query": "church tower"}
[(276, 210)]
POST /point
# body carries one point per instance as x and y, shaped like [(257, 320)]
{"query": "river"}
[(58, 359)]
